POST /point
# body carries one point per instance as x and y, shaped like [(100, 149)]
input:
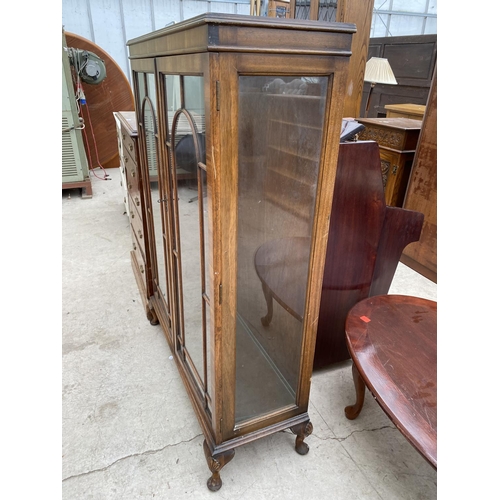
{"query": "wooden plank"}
[(360, 13), (422, 193)]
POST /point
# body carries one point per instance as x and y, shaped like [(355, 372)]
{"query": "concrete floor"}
[(128, 428)]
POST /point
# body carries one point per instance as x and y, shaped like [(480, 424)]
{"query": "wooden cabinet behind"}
[(397, 139), (232, 111), (134, 202)]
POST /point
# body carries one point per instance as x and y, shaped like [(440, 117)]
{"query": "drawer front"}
[(130, 146), (132, 175), (139, 258), (136, 223), (135, 201)]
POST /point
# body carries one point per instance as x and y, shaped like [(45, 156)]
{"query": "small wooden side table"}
[(397, 139), (413, 111), (393, 344)]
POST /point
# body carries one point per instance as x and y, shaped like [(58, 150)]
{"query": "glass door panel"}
[(186, 117), (280, 133)]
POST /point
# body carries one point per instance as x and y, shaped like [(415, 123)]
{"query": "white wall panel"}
[(108, 29), (137, 18), (75, 18), (111, 23), (166, 11)]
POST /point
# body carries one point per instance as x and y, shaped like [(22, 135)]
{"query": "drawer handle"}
[(131, 147), (140, 234), (134, 246), (126, 159), (137, 202), (129, 185), (133, 173), (132, 215), (123, 135), (141, 267)]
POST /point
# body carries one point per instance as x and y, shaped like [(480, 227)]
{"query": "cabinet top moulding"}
[(216, 32)]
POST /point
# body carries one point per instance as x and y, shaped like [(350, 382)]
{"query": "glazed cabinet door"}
[(184, 85), (154, 185), (274, 178)]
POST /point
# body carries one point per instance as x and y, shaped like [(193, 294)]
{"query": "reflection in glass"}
[(149, 123), (280, 124), (172, 99)]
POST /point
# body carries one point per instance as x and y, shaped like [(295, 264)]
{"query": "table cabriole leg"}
[(266, 320), (352, 411)]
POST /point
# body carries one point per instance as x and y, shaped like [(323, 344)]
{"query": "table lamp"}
[(378, 70)]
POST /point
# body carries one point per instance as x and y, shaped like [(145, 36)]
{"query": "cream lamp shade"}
[(378, 70)]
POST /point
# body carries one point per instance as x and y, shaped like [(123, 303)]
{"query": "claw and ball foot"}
[(215, 464), (302, 431), (151, 315), (352, 411)]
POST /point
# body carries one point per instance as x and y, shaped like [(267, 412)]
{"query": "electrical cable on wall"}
[(91, 69)]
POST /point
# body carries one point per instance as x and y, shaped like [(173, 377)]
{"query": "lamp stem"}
[(369, 98)]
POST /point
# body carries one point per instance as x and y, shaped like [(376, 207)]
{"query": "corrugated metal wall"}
[(111, 23)]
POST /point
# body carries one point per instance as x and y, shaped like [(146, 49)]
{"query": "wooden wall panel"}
[(422, 193), (360, 13), (413, 61)]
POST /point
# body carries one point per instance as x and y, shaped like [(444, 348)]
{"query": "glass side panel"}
[(149, 123), (150, 79), (141, 86), (280, 123)]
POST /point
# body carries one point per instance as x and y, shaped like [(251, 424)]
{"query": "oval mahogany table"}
[(392, 342)]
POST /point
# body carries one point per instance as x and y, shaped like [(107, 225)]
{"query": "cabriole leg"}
[(215, 464), (302, 431), (351, 412)]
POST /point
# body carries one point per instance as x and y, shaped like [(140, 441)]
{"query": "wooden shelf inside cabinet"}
[(291, 180)]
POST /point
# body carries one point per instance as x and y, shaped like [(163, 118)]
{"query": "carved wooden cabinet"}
[(397, 139), (231, 112)]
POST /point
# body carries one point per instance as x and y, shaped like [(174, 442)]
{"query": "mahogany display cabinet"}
[(239, 117)]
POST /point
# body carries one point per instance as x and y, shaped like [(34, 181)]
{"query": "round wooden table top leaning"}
[(392, 342)]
